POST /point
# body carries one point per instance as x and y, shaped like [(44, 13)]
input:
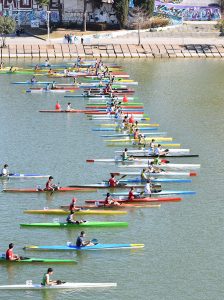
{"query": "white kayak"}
[(119, 160), (146, 151), (66, 285), (165, 166), (163, 173)]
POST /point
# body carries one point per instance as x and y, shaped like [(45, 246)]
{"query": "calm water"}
[(184, 244)]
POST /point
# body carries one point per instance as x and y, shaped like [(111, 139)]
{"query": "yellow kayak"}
[(80, 212), (156, 138)]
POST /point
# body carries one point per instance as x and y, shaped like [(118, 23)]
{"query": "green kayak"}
[(37, 260), (71, 225)]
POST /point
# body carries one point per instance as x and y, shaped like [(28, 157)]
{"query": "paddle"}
[(55, 188), (95, 241)]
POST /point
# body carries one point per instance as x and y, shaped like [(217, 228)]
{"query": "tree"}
[(94, 3), (121, 8), (43, 2), (140, 15), (148, 5), (7, 26)]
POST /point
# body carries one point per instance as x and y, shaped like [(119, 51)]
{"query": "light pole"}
[(48, 25), (18, 12)]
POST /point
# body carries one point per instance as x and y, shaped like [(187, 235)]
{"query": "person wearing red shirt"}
[(50, 186), (10, 255), (131, 195), (58, 106), (112, 181)]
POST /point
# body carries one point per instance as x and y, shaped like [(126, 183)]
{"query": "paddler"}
[(144, 176), (131, 119), (141, 140), (159, 151), (48, 87), (72, 206), (112, 181), (33, 79), (151, 146), (50, 186), (148, 188), (46, 63), (71, 220), (5, 171), (109, 201), (125, 99), (136, 134), (1, 65), (46, 278), (58, 106), (9, 255), (80, 242), (124, 154), (69, 106), (131, 195)]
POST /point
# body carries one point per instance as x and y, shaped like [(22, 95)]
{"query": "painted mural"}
[(171, 1), (188, 13), (103, 14)]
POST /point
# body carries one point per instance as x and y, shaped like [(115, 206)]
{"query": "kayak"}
[(165, 166), (164, 144), (122, 104), (162, 193), (137, 200), (29, 82), (37, 260), (131, 134), (103, 111), (112, 117), (64, 111), (165, 155), (49, 211), (44, 90), (119, 130), (145, 151), (70, 225), (61, 189), (98, 97), (105, 185), (87, 248), (19, 175), (123, 205), (163, 180), (139, 125), (67, 285), (162, 173), (130, 140)]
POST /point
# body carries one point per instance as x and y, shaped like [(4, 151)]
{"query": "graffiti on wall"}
[(188, 13), (26, 17), (172, 1), (103, 14)]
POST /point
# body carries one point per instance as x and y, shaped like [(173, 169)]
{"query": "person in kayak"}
[(151, 147), (144, 175), (5, 171), (112, 181), (71, 220), (72, 206), (9, 255), (131, 195), (69, 106), (57, 106), (109, 201), (80, 242), (124, 154), (50, 186), (148, 188), (46, 63), (46, 278), (159, 151), (33, 79)]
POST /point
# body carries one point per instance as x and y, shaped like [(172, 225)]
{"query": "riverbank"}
[(146, 50)]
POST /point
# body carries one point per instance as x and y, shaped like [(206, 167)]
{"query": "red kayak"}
[(69, 111), (61, 189), (167, 199)]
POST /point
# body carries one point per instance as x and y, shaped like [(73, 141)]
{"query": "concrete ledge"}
[(113, 51)]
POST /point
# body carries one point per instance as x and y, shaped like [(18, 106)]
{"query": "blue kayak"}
[(29, 82), (19, 175), (94, 247)]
